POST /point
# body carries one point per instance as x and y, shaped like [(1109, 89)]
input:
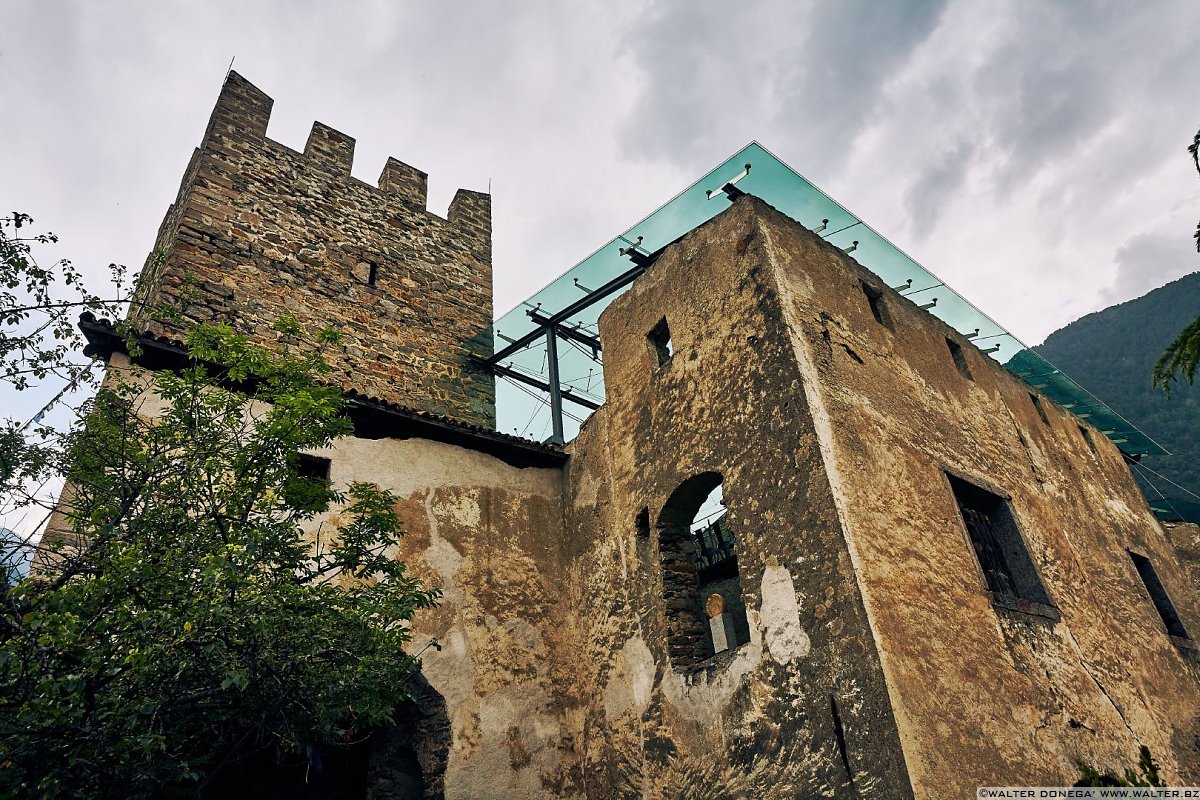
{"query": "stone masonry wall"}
[(259, 230), (802, 709), (984, 694)]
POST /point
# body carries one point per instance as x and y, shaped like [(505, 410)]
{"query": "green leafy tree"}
[(39, 304), (1183, 353), (202, 616)]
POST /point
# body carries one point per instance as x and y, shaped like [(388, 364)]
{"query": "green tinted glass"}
[(525, 411)]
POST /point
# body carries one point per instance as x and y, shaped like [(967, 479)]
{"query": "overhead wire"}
[(1161, 497), (539, 398), (542, 376), (1168, 480), (839, 230), (707, 517), (586, 352)]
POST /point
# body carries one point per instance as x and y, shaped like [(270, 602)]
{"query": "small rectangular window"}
[(960, 359), (1087, 437), (878, 308), (1037, 404), (1158, 596), (660, 342), (307, 488), (313, 468), (1007, 566)]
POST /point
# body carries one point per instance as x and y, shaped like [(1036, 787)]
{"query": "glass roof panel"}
[(525, 411)]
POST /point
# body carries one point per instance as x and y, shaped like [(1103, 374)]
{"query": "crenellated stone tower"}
[(259, 230)]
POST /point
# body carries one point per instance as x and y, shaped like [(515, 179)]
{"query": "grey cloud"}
[(937, 187), (1040, 111), (837, 78), (1067, 77), (1148, 261), (810, 73)]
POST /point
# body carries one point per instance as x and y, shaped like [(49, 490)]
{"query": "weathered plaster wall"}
[(488, 535), (984, 695), (259, 230), (758, 721)]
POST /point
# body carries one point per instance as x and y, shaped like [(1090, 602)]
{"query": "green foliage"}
[(39, 305), (197, 624), (1147, 774), (1180, 356), (1194, 149)]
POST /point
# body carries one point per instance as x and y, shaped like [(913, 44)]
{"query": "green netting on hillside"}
[(525, 411)]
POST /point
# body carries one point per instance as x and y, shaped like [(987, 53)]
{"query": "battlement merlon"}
[(472, 211), (330, 148), (243, 112), (405, 181)]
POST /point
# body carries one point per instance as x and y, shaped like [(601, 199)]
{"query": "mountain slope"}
[(1111, 353)]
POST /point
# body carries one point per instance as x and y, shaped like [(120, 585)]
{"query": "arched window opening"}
[(702, 589)]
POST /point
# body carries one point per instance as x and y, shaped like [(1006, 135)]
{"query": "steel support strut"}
[(556, 414)]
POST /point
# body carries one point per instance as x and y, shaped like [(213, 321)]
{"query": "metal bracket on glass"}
[(728, 187), (581, 287), (928, 305), (824, 224), (636, 253), (906, 285), (972, 334), (991, 349), (634, 247), (853, 246)]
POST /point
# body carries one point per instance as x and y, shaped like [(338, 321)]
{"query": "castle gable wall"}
[(988, 686), (799, 709)]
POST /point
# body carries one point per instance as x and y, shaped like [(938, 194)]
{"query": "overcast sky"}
[(1032, 154)]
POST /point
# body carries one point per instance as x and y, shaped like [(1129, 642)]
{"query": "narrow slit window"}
[(643, 523), (366, 272), (1158, 596), (1087, 437), (960, 359), (878, 308), (999, 548), (1041, 411), (660, 342)]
